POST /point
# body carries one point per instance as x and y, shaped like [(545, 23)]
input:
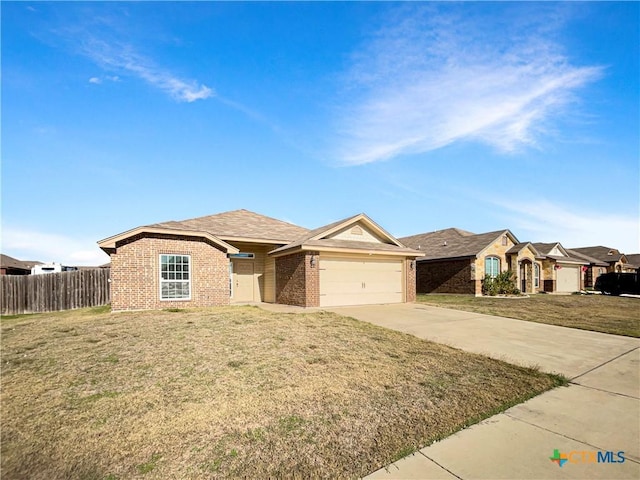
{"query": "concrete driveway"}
[(598, 412)]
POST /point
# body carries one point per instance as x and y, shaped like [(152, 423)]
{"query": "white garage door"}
[(359, 281), (568, 279)]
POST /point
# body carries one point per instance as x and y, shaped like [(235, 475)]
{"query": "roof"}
[(240, 224), (243, 225), (545, 250), (591, 260), (521, 246), (600, 253), (317, 239), (9, 262), (633, 259), (452, 243)]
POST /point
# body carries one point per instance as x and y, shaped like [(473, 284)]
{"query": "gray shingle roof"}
[(239, 224), (599, 252), (545, 249), (587, 258), (633, 259), (9, 262), (451, 243)]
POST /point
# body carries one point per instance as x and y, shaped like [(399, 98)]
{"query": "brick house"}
[(242, 256), (456, 261), (601, 260), (561, 271), (13, 266)]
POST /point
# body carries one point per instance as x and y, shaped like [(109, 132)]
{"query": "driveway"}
[(598, 412)]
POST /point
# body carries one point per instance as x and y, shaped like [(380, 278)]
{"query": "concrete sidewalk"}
[(598, 411)]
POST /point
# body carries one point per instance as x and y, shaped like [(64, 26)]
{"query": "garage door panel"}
[(345, 281), (568, 279)]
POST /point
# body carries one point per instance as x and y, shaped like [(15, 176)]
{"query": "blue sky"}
[(480, 116)]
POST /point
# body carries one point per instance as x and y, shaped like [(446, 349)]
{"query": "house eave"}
[(350, 251), (110, 243)]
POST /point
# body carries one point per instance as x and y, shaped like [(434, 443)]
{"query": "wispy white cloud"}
[(119, 57), (28, 244), (546, 221), (99, 80), (430, 79)]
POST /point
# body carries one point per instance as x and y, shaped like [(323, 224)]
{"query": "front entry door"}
[(243, 281)]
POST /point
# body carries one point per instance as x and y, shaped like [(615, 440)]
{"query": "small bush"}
[(502, 284)]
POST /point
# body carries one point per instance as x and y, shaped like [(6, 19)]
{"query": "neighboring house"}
[(616, 261), (241, 256), (561, 271), (13, 266), (456, 261), (594, 268), (634, 261)]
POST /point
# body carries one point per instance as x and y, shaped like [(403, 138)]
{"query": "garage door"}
[(359, 282), (568, 279)]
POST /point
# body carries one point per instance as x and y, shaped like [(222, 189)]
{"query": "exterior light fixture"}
[(312, 261)]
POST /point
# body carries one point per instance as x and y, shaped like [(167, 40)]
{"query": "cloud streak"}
[(546, 221), (27, 244), (124, 59), (430, 79)]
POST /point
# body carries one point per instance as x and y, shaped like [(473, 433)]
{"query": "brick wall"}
[(410, 293), (135, 272), (297, 282), (447, 276)]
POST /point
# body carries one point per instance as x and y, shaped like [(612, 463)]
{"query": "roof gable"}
[(518, 247), (111, 242), (339, 236), (454, 243)]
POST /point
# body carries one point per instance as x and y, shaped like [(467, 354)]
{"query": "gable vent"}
[(356, 230)]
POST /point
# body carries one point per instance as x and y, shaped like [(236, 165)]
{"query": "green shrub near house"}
[(502, 284)]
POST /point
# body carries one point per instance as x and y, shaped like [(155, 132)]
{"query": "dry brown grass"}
[(232, 392), (599, 313)]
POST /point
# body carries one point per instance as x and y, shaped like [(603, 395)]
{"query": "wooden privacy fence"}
[(54, 291)]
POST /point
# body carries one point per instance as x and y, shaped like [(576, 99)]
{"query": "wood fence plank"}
[(54, 291)]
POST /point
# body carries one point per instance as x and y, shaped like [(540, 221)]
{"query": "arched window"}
[(536, 275), (492, 266)]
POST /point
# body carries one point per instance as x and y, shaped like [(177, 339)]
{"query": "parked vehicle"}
[(618, 283), (51, 268)]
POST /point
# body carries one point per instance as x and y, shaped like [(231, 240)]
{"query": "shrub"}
[(502, 284)]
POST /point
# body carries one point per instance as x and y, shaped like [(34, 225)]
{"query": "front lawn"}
[(600, 313), (232, 392)]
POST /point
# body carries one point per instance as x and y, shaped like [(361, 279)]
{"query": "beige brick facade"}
[(135, 273)]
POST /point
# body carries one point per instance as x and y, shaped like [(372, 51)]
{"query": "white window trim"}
[(161, 280), (536, 275)]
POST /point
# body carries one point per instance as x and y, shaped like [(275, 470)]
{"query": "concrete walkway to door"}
[(598, 411)]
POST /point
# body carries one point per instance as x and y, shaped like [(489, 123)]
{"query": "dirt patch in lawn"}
[(599, 313), (233, 392)]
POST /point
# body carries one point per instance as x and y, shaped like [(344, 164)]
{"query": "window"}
[(536, 275), (175, 277), (245, 255), (492, 266)]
